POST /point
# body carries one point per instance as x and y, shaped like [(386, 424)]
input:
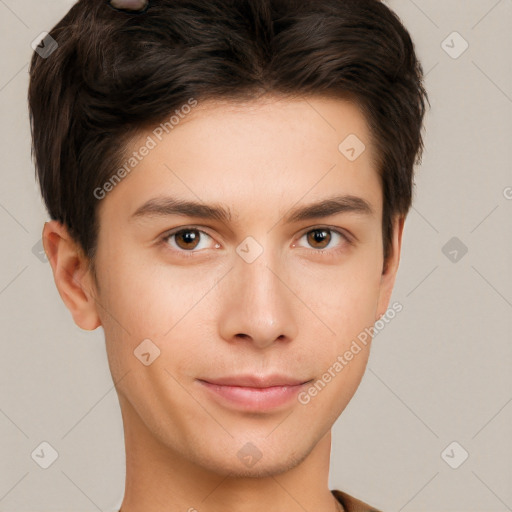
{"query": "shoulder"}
[(351, 504)]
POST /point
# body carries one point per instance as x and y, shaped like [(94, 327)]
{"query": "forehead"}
[(268, 152)]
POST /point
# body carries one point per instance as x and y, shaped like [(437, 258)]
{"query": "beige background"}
[(440, 372)]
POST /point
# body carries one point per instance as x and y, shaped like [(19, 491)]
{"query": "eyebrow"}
[(167, 206)]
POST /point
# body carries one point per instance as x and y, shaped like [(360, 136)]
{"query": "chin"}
[(263, 463), (261, 469)]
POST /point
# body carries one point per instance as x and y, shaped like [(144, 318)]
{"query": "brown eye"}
[(319, 238), (188, 241), (326, 240), (187, 238)]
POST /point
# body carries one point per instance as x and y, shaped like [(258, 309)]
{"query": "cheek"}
[(346, 302), (136, 294), (343, 297), (151, 301)]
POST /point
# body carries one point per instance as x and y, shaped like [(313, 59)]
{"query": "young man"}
[(228, 183)]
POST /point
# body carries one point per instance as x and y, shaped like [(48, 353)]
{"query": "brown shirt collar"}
[(351, 504)]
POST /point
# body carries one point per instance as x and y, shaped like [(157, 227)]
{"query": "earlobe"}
[(71, 274)]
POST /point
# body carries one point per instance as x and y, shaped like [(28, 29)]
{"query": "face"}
[(267, 286)]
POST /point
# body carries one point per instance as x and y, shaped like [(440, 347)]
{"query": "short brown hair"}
[(115, 73)]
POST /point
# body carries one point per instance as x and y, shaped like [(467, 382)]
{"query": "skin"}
[(292, 311), (129, 5)]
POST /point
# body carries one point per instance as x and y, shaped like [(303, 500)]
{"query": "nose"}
[(258, 305)]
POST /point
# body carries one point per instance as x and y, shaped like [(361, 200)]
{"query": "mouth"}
[(253, 393)]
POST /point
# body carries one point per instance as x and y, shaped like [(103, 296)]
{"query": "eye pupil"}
[(189, 236), (320, 236)]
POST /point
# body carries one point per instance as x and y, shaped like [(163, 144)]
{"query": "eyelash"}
[(190, 254)]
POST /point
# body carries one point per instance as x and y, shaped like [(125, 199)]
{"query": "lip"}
[(255, 381), (254, 393)]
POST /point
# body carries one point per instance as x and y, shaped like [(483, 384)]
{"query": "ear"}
[(390, 267), (71, 274)]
